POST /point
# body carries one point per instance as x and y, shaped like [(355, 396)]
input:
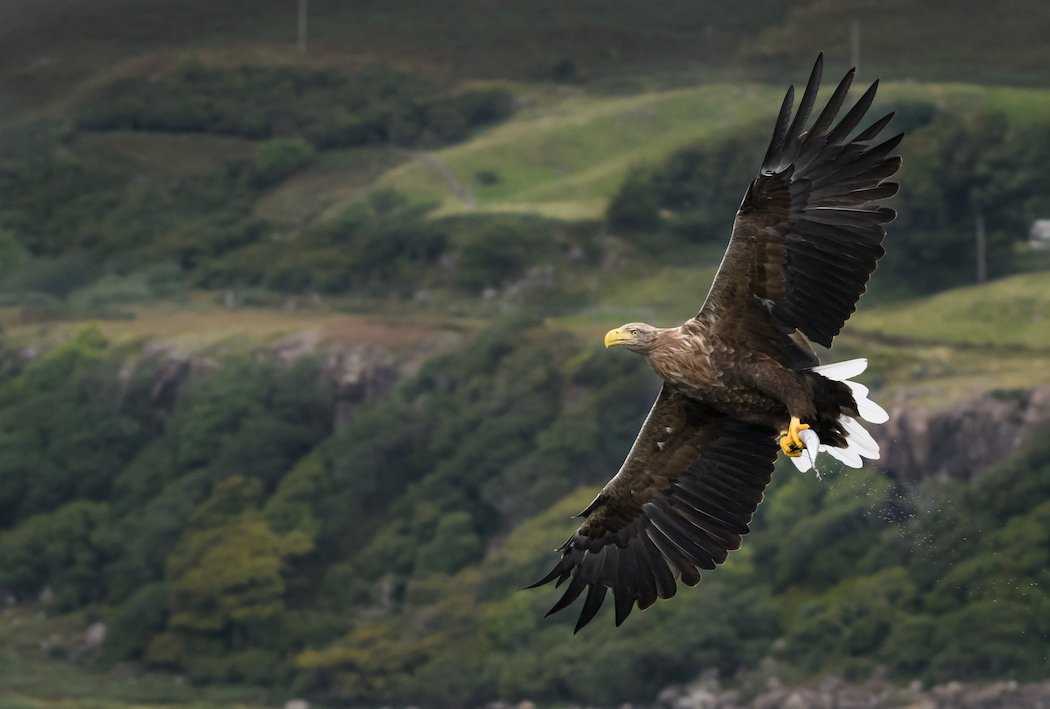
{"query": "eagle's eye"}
[(633, 330)]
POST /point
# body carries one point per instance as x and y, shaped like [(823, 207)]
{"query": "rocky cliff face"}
[(959, 442), (358, 371), (918, 442)]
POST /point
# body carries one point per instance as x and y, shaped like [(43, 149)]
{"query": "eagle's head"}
[(635, 336)]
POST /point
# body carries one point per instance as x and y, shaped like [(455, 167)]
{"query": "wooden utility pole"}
[(854, 44), (982, 247), (303, 16)]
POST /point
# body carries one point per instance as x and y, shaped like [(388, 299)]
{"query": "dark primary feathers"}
[(806, 239), (681, 501), (808, 232)]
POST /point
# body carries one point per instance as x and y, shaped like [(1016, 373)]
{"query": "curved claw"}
[(789, 447), (791, 443)]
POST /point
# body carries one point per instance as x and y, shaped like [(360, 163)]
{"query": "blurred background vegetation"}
[(300, 377)]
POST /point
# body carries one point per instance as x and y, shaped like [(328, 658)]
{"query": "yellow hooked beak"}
[(617, 337)]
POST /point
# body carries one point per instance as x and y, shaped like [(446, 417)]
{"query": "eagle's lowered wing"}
[(808, 232), (681, 501)]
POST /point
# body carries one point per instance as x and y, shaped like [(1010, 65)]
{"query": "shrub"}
[(453, 544), (57, 277), (383, 246), (67, 427), (498, 251), (275, 160), (853, 619), (329, 108), (694, 192), (636, 205), (135, 621), (59, 549)]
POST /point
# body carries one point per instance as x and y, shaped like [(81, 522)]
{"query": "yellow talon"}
[(795, 428), (790, 441)]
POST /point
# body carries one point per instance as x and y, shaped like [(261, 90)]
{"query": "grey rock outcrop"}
[(957, 443)]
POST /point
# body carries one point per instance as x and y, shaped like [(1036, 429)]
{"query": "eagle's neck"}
[(678, 352)]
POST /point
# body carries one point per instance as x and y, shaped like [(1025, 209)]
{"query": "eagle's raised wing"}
[(681, 501), (808, 232)]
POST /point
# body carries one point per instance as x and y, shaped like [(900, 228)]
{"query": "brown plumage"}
[(805, 241)]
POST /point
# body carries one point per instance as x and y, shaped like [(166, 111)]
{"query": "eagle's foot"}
[(791, 440), (789, 447)]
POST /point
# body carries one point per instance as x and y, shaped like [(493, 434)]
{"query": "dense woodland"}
[(232, 535), (227, 530)]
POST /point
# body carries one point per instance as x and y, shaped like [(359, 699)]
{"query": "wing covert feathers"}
[(672, 510), (809, 232)]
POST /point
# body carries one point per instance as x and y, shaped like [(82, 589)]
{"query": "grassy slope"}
[(565, 154), (948, 346), (205, 327), (568, 158), (1010, 313)]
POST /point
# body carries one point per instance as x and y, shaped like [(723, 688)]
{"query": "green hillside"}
[(211, 243), (227, 183), (564, 154)]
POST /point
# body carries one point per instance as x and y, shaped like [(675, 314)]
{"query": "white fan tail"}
[(859, 443)]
